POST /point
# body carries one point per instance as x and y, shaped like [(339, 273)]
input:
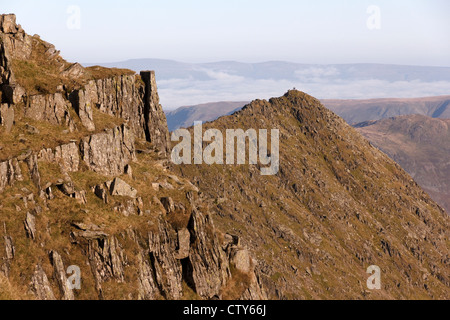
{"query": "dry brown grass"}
[(189, 294), (42, 75), (98, 72), (237, 285), (179, 220), (9, 291)]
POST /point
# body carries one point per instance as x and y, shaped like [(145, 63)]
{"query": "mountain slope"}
[(336, 207), (356, 111), (186, 116), (421, 145)]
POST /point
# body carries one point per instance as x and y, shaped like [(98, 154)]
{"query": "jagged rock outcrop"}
[(16, 41), (8, 23), (123, 189), (207, 265), (7, 116), (9, 248), (128, 207), (15, 44), (83, 108), (184, 244), (102, 192), (67, 187), (30, 226), (59, 272), (106, 260), (74, 71), (86, 232), (10, 253), (52, 108), (168, 204), (67, 156), (9, 173), (108, 153), (167, 268), (128, 97), (32, 163), (148, 289), (40, 286), (7, 26), (120, 96)]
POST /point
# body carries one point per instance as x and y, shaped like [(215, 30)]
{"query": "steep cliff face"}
[(130, 97), (84, 185), (110, 152)]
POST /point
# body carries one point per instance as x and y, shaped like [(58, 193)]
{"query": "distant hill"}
[(184, 117), (421, 145), (356, 111)]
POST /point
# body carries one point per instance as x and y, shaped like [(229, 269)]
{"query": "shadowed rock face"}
[(421, 145), (156, 130), (6, 117)]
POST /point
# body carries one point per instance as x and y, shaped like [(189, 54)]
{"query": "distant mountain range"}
[(185, 84), (421, 145), (353, 111), (184, 117)]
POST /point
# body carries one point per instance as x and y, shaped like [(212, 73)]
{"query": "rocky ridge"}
[(337, 206)]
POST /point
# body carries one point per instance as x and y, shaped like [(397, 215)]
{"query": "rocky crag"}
[(84, 183)]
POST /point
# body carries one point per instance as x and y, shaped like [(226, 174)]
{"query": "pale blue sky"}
[(413, 32)]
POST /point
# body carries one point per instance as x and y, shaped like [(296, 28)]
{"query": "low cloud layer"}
[(185, 84), (225, 87)]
